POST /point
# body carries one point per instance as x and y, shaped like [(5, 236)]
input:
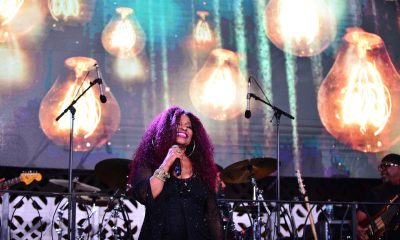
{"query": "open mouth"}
[(181, 134)]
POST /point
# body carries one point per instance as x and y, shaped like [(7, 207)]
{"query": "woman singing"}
[(180, 203)]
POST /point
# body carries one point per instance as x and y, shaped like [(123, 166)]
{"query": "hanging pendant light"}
[(70, 12), (64, 9), (202, 32), (13, 63), (359, 100), (8, 10), (219, 88), (123, 37), (301, 27), (22, 18), (95, 122)]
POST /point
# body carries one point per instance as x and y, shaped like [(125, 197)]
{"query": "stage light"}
[(202, 32), (302, 27), (95, 122), (358, 101), (123, 37), (219, 90)]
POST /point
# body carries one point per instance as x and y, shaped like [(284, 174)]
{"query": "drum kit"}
[(247, 171), (113, 173)]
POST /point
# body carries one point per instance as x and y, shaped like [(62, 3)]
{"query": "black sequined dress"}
[(184, 210)]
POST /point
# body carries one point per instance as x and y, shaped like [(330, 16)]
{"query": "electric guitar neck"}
[(26, 178), (303, 192)]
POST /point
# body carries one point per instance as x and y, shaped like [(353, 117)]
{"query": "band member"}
[(368, 226), (180, 203), (220, 187), (1, 188)]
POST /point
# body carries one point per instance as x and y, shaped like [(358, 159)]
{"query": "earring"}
[(194, 146)]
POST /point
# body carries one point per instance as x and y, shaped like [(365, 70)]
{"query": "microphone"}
[(247, 113), (177, 164), (177, 167), (99, 80)]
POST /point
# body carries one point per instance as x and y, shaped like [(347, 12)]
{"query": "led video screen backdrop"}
[(332, 65)]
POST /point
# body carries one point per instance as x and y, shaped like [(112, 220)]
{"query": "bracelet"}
[(161, 174)]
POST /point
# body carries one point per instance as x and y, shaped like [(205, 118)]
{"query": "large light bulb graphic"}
[(219, 88), (64, 9), (123, 37), (358, 101), (202, 32), (8, 10), (301, 27), (94, 123)]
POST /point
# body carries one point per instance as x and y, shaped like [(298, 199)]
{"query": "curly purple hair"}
[(161, 135)]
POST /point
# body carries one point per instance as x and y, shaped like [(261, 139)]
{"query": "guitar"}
[(381, 219), (26, 178), (303, 192)]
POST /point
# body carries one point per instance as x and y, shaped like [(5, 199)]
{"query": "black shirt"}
[(383, 194)]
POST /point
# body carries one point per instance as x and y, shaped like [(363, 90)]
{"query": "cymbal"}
[(78, 186), (241, 172), (100, 201), (113, 172)]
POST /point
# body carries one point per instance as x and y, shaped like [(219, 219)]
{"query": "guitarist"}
[(387, 191), (2, 180)]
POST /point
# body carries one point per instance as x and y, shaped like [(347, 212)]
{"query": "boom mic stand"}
[(277, 116), (72, 205)]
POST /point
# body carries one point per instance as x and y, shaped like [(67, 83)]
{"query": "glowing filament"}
[(299, 21), (124, 36), (220, 90), (8, 10), (202, 32), (64, 8), (366, 99), (88, 111)]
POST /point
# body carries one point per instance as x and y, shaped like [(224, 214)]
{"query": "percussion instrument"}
[(113, 172), (243, 171), (78, 186)]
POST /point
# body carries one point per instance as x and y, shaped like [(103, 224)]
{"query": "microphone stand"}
[(277, 115), (124, 216), (71, 196)]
